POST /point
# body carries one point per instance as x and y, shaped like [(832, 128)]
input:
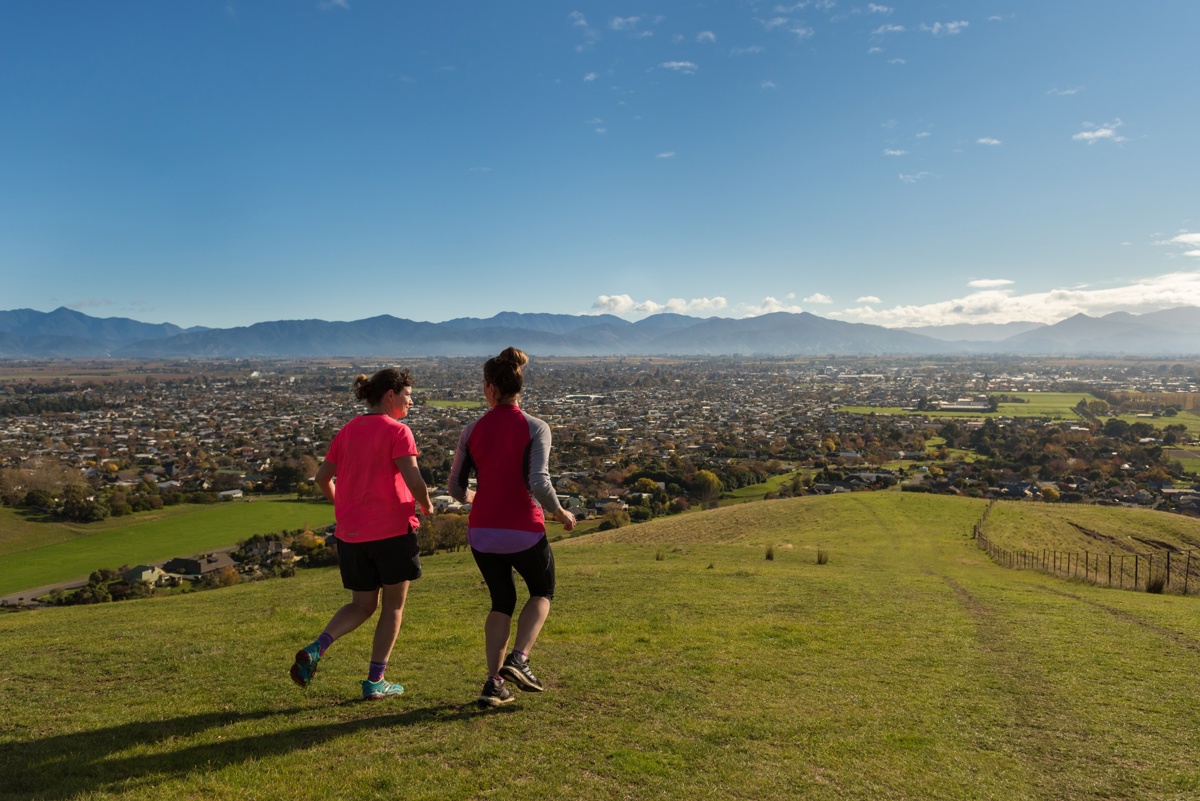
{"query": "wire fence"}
[(1168, 570)]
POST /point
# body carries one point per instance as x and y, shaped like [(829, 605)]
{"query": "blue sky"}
[(910, 163)]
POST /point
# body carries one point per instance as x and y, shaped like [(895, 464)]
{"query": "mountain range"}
[(65, 333)]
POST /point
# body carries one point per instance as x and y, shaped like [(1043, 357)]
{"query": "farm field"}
[(1053, 405), (680, 662), (73, 551)]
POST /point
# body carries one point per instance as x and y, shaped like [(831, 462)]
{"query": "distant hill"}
[(64, 333), (979, 332)]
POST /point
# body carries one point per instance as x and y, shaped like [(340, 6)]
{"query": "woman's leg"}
[(390, 617), (345, 620), (529, 624), (495, 635)]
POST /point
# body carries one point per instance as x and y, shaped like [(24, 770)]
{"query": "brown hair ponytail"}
[(504, 372), (374, 388)]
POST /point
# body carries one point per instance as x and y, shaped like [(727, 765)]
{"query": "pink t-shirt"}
[(371, 501)]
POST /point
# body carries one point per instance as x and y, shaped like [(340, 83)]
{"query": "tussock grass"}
[(911, 668)]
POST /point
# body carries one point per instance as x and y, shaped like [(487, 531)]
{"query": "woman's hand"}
[(566, 518)]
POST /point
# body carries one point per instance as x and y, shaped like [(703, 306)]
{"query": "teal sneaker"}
[(374, 690), (306, 664)]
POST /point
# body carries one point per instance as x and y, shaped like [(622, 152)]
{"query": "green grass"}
[(1187, 419), (755, 492), (1054, 405), (72, 552), (908, 667), (456, 404)]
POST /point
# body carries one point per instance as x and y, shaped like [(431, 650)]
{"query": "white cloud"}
[(987, 140), (868, 299), (769, 305), (945, 28), (818, 297), (989, 283), (330, 5), (1002, 306), (888, 152), (682, 67), (624, 23), (577, 19), (1065, 92), (882, 29), (924, 135), (1186, 239), (1096, 133), (767, 85), (626, 306), (803, 32), (591, 76), (669, 154), (774, 22), (914, 177), (872, 8), (706, 36), (897, 61), (741, 51)]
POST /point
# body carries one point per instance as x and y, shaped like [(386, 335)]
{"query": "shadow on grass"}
[(69, 765)]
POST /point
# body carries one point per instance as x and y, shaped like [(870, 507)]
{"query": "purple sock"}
[(524, 657), (376, 671), (323, 643)]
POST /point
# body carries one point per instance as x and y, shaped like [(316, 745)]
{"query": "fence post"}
[(1110, 570), (1135, 571), (1087, 564), (1187, 571), (1168, 571)]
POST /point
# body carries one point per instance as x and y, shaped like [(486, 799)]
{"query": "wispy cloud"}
[(883, 29), (945, 28), (626, 306), (766, 85), (773, 23), (1074, 90), (1002, 306), (91, 303), (682, 67), (915, 177), (705, 37), (1093, 133), (591, 76), (624, 23), (818, 297), (742, 51), (889, 152), (868, 299), (987, 140), (873, 8), (666, 154), (1191, 241), (989, 283), (331, 5), (769, 305), (591, 35), (803, 32)]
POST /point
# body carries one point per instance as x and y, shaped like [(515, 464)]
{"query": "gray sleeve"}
[(537, 465), (460, 471)]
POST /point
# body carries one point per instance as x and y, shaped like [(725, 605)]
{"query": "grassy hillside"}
[(40, 553), (681, 664)]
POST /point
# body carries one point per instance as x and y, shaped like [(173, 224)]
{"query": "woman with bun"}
[(378, 487), (509, 452)]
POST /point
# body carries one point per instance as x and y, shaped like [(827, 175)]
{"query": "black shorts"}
[(368, 566), (535, 565)]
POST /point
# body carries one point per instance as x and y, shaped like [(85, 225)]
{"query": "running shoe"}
[(518, 670), (494, 693), (306, 664), (374, 690)]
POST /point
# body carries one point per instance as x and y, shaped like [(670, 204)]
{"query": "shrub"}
[(822, 556), (1156, 584), (770, 553)]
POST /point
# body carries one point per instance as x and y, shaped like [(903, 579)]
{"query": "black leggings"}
[(535, 565)]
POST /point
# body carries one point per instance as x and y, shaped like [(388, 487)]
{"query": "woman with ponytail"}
[(509, 452), (378, 487)]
